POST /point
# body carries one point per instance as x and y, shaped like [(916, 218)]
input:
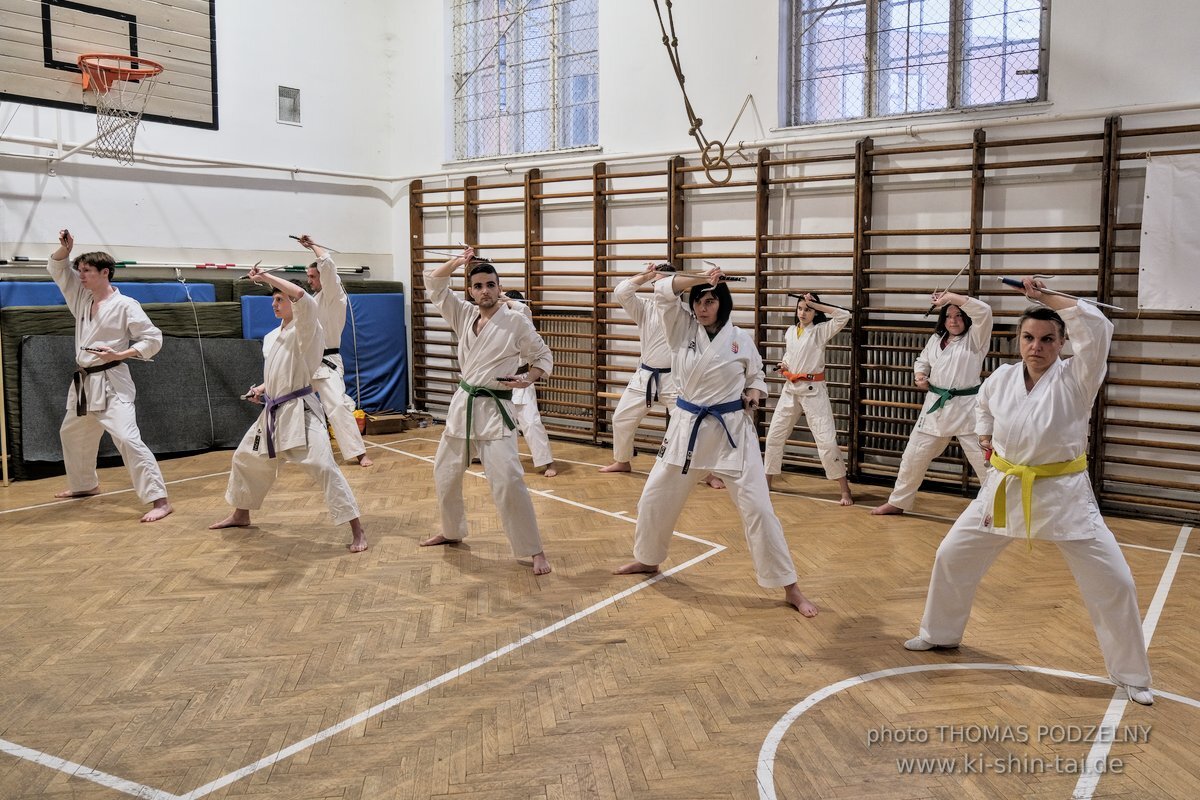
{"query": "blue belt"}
[(701, 412), (652, 385)]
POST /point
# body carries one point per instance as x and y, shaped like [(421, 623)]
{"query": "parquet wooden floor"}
[(170, 661)]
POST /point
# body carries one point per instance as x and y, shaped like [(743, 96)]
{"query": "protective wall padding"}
[(172, 404), (18, 293), (217, 320), (222, 288), (381, 366)]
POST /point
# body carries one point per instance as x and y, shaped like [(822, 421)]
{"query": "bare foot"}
[(617, 466), (364, 461), (636, 568), (540, 565), (68, 493), (796, 599), (240, 518), (770, 483), (162, 508), (550, 471), (359, 541), (434, 541), (886, 509), (844, 485), (713, 482)]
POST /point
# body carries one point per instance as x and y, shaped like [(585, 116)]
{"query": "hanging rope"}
[(712, 153)]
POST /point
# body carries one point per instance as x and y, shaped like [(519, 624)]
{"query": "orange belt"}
[(803, 376)]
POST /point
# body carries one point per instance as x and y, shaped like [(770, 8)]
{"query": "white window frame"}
[(790, 37), (508, 51)]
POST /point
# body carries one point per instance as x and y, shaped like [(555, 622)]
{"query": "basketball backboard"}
[(41, 39)]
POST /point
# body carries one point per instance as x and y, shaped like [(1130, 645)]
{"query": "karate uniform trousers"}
[(529, 422), (810, 398), (330, 386), (667, 490), (1100, 569), (632, 409), (505, 476), (80, 437), (253, 473), (919, 453)]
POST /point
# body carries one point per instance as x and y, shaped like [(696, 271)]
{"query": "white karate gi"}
[(505, 342), (710, 372), (328, 381), (805, 353), (1044, 426), (958, 366), (529, 418), (118, 321), (292, 354), (654, 352)]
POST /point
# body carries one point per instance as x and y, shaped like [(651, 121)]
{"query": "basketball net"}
[(122, 85)]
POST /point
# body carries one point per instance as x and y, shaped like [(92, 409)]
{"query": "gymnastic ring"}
[(719, 162)]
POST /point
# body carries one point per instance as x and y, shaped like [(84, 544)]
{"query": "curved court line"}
[(766, 754)]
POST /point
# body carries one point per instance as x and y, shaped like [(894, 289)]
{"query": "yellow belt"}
[(1027, 474)]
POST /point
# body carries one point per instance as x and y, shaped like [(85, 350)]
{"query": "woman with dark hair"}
[(803, 365), (719, 375), (948, 369), (1033, 415)]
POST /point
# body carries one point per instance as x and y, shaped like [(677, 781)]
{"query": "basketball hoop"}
[(122, 85)]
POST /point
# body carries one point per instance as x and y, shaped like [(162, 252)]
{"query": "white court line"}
[(87, 773), (1097, 757), (107, 494), (141, 791), (766, 755)]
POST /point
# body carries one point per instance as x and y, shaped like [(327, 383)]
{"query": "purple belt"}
[(273, 403)]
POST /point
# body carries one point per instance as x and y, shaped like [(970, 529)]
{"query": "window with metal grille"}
[(850, 59), (525, 76)]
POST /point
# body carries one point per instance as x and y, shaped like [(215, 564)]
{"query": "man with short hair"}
[(292, 424), (110, 328), (329, 380), (493, 341)]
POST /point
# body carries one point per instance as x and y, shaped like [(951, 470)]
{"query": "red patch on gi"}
[(734, 348)]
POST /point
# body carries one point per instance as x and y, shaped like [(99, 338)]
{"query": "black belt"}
[(78, 380), (330, 351), (653, 382)]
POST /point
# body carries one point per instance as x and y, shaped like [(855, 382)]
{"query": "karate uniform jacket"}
[(507, 341), (956, 367), (119, 323), (708, 372), (1045, 426), (292, 355)]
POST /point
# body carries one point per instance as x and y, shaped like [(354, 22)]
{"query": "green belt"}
[(946, 394), (495, 394)]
